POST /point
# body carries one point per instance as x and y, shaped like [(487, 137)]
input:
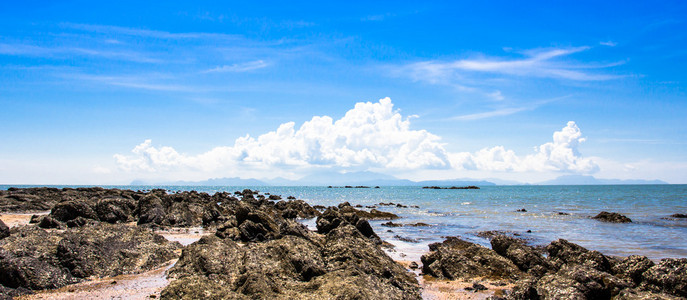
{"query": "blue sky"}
[(475, 90)]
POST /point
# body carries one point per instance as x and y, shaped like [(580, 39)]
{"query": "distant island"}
[(470, 187), (370, 179)]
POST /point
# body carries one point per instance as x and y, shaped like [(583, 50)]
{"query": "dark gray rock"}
[(4, 230), (632, 268), (612, 217), (458, 259), (668, 276), (69, 210), (150, 210), (563, 252), (115, 210)]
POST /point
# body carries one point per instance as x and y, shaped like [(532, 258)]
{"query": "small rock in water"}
[(680, 216), (413, 265), (113, 282), (612, 217), (521, 210), (529, 231)]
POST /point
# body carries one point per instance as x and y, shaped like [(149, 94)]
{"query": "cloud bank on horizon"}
[(371, 136)]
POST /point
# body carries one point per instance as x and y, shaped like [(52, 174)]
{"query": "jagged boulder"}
[(115, 210), (343, 265), (49, 222), (563, 252), (108, 250), (523, 256), (333, 218), (150, 210), (69, 210), (4, 230), (632, 268), (301, 208), (668, 276), (17, 271), (458, 259)]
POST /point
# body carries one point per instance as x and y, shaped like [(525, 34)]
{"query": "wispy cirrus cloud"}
[(491, 114), (138, 32), (19, 49), (546, 63), (240, 67)]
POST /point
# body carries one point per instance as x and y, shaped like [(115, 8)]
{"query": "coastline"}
[(330, 223)]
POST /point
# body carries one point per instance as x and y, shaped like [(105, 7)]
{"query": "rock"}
[(637, 294), (333, 218), (612, 217), (405, 239), (479, 287), (413, 265), (31, 273), (29, 199), (115, 210), (4, 230), (80, 221), (371, 215), (632, 267), (34, 258), (302, 208), (391, 224), (344, 265), (679, 216), (211, 214), (563, 252), (419, 224), (68, 210), (520, 254), (668, 276), (591, 283), (458, 259), (274, 197), (109, 250), (35, 219), (49, 222), (521, 210), (150, 210)]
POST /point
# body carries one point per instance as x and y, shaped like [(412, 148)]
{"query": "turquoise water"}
[(466, 212)]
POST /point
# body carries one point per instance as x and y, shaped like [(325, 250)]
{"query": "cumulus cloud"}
[(369, 136), (561, 154)]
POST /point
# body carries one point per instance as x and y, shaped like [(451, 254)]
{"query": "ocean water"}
[(465, 213)]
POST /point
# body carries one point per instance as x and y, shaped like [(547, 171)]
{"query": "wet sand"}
[(437, 289), (19, 219), (134, 286)]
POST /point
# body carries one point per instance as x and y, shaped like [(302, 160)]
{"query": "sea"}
[(550, 213)]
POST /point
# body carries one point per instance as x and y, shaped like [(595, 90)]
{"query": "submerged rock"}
[(612, 217)]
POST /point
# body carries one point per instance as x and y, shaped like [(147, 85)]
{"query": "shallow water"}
[(466, 212)]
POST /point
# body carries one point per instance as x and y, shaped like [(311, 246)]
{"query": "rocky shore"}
[(250, 245)]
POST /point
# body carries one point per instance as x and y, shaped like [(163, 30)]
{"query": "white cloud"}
[(560, 155), (608, 43), (239, 68), (536, 63), (369, 136)]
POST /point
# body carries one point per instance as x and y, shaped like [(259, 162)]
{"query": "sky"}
[(107, 93)]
